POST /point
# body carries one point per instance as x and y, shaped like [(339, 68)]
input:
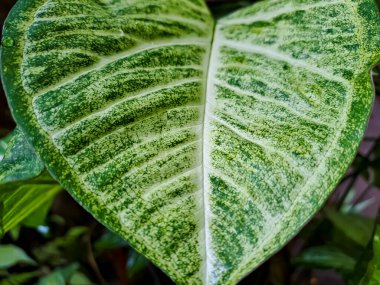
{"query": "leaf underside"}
[(206, 157)]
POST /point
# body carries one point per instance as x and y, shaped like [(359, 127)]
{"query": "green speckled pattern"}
[(20, 161), (206, 157), (288, 98)]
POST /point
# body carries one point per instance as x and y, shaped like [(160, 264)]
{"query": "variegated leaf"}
[(206, 161)]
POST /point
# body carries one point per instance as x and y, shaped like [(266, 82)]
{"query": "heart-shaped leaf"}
[(207, 160)]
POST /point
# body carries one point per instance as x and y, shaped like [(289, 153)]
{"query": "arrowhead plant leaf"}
[(206, 145)]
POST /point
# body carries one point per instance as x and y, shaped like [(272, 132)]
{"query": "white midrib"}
[(205, 151)]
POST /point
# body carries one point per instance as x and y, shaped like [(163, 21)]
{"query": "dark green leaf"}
[(136, 263), (3, 272), (368, 267), (11, 255), (325, 257), (372, 276), (108, 241), (19, 278), (355, 227)]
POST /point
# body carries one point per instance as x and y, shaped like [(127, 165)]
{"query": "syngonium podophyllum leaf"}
[(20, 161), (207, 160)]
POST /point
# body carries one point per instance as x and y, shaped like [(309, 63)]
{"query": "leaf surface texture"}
[(207, 149)]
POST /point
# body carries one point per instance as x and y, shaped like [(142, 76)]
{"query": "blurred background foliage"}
[(48, 239)]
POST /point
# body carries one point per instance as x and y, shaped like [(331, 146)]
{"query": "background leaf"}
[(10, 255), (109, 241), (38, 217), (135, 264), (372, 259), (4, 144), (56, 278), (19, 278), (18, 200), (79, 278), (20, 161), (355, 227), (58, 250), (326, 257), (69, 275)]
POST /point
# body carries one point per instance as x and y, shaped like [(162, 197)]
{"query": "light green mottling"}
[(288, 99), (115, 94), (206, 161)]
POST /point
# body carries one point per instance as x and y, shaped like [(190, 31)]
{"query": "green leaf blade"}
[(19, 278), (285, 117), (156, 55), (355, 227), (206, 171), (326, 257), (10, 255), (19, 200), (372, 273)]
